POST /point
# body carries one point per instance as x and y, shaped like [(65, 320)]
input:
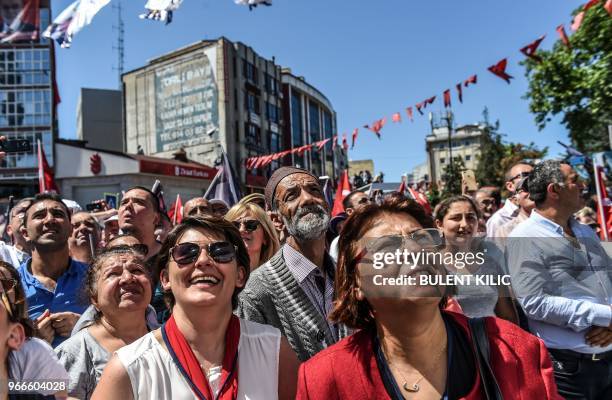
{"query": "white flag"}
[(254, 3), (160, 10), (73, 19)]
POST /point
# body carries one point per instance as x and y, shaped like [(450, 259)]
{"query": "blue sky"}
[(370, 58)]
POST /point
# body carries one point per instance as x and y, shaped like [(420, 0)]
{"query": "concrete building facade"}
[(27, 99), (99, 119), (465, 142), (309, 117)]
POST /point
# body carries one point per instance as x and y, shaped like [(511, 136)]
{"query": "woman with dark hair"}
[(473, 257), (203, 351), (23, 357), (406, 346), (118, 284)]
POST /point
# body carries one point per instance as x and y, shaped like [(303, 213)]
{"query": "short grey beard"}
[(310, 228)]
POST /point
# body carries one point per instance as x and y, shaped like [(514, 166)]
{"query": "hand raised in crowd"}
[(44, 326), (63, 322), (599, 336)]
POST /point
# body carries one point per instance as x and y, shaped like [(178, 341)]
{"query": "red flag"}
[(577, 21), (344, 189), (409, 110), (176, 211), (46, 181), (499, 70), (430, 100), (563, 35), (402, 187), (354, 138), (344, 142), (377, 126), (608, 7), (603, 204), (531, 48), (447, 98), (419, 106), (459, 93), (420, 198), (322, 143), (471, 80), (396, 117)]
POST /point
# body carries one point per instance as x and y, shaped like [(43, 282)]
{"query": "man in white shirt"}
[(504, 214), (16, 252)]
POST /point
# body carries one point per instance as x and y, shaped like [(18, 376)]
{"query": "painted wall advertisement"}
[(186, 103)]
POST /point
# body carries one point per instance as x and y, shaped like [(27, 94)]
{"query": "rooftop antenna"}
[(119, 27)]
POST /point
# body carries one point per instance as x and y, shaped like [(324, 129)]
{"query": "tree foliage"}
[(576, 83), (452, 177), (494, 151)]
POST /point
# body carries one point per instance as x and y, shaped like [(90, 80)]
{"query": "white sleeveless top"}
[(154, 375)]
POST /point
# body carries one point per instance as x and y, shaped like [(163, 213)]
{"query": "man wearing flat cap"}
[(294, 290)]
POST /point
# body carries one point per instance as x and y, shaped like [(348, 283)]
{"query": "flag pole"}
[(41, 173), (176, 202)]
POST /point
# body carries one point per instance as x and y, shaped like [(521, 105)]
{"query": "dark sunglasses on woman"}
[(188, 252), (250, 225)]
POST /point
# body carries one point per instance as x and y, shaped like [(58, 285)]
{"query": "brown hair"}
[(442, 208), (19, 307), (210, 224), (348, 309)]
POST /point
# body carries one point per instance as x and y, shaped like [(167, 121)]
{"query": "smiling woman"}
[(203, 350), (118, 284)]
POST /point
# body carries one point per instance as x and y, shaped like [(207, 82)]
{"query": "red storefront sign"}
[(159, 168)]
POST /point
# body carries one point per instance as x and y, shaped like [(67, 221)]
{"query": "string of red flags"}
[(409, 113), (459, 92), (580, 16), (265, 160), (254, 3), (396, 117), (377, 126), (447, 98), (472, 80)]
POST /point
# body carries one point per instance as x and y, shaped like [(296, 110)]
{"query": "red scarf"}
[(188, 364)]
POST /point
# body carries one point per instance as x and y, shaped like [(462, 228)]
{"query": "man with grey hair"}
[(561, 277), (294, 290)]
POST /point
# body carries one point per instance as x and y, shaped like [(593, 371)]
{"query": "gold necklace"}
[(415, 386)]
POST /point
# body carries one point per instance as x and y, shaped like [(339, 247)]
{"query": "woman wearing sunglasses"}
[(256, 230), (457, 219), (203, 351), (406, 346), (118, 285), (22, 357)]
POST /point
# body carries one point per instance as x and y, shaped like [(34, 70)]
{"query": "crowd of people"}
[(273, 298)]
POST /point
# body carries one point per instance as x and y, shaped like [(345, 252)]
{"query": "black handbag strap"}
[(480, 341)]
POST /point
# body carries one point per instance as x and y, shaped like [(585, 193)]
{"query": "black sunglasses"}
[(250, 225), (521, 175), (188, 252)]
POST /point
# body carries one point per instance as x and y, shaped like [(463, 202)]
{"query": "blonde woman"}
[(256, 230)]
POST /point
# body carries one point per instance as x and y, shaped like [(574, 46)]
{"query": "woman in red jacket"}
[(405, 346)]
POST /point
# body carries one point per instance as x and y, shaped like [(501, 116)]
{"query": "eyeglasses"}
[(188, 252), (250, 225), (423, 238), (521, 175), (140, 248)]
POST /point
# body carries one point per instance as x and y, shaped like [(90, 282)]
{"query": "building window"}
[(271, 84), (313, 122), (442, 160), (468, 158), (252, 103), (272, 112), (296, 120), (252, 136), (275, 145), (328, 131), (250, 72)]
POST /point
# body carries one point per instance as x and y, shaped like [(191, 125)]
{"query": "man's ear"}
[(439, 223), (24, 232), (16, 336)]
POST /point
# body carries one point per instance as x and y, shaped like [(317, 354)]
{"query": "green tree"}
[(452, 178), (576, 82)]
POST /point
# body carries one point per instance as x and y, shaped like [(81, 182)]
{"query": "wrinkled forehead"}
[(297, 180), (122, 260), (201, 236), (138, 194), (47, 205), (83, 217), (124, 240)]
